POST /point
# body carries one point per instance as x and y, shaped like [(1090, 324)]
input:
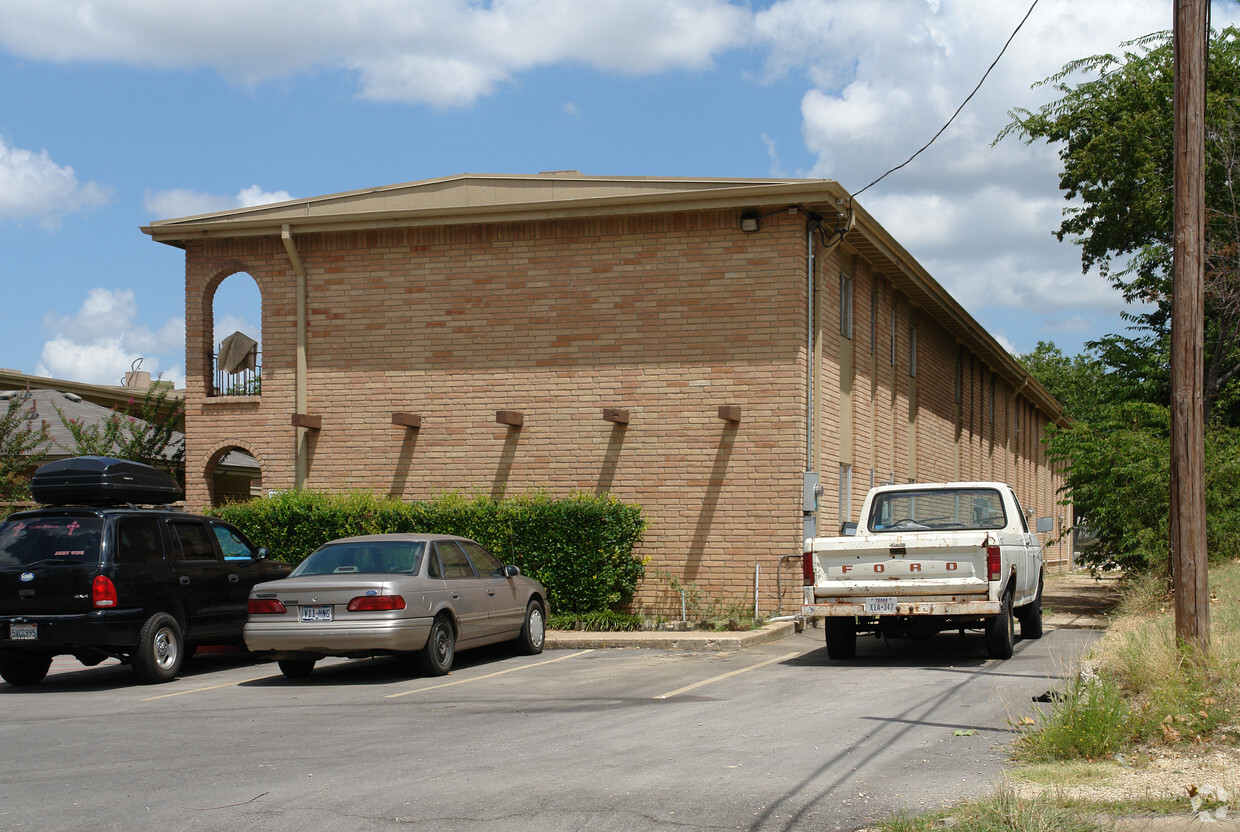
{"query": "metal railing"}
[(244, 383)]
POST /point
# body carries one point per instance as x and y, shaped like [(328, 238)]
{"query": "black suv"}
[(94, 576)]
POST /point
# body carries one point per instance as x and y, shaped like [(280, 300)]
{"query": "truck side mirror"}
[(1045, 525), (849, 529)]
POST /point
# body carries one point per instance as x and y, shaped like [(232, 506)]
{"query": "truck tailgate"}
[(948, 564)]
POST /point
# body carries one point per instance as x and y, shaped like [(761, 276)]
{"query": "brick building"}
[(696, 346)]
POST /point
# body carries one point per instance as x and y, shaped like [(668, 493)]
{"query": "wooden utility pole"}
[(1188, 504)]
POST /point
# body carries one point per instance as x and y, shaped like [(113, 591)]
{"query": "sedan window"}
[(485, 562), (395, 557), (455, 564)]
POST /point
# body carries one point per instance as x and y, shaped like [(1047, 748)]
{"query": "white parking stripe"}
[(714, 679), (210, 687), (487, 676)]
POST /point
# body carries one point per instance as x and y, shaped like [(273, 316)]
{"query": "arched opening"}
[(234, 475), (236, 320)]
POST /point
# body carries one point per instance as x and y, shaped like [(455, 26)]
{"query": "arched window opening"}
[(236, 361), (235, 476)]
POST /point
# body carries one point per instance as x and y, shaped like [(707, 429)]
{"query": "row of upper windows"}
[(847, 331), (846, 324)]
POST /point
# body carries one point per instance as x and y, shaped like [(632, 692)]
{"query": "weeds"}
[(1146, 687), (1005, 812), (1089, 720), (715, 614)]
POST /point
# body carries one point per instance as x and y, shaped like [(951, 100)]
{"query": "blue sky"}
[(114, 114)]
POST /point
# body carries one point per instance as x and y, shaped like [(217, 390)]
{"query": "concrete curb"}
[(670, 640)]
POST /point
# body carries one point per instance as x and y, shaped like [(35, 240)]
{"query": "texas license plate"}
[(880, 606), (23, 632), (316, 613)]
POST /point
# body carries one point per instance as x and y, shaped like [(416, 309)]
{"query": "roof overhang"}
[(494, 198)]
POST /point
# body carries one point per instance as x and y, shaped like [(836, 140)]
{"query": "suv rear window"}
[(30, 541)]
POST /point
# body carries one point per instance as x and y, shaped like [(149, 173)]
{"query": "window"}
[(845, 492), (990, 414), (846, 306), (232, 544), (873, 319), (912, 351), (960, 375), (938, 508), (455, 564), (194, 542), (138, 541), (893, 335), (485, 562)]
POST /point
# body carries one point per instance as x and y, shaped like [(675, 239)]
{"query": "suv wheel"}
[(24, 670), (160, 649)]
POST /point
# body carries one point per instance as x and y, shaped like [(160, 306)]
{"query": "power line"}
[(958, 109)]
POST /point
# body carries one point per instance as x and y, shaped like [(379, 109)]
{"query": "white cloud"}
[(181, 202), (440, 52), (33, 186), (101, 342), (884, 76)]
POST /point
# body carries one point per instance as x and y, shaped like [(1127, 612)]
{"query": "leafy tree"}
[(1113, 125), (22, 446), (147, 431)]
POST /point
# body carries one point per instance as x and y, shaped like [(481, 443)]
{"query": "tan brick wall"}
[(667, 316)]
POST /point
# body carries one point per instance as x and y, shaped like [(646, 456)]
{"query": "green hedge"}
[(580, 548)]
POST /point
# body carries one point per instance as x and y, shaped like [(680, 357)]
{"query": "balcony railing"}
[(244, 383)]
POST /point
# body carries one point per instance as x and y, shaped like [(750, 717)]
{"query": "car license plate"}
[(316, 613), (880, 606), (23, 632)]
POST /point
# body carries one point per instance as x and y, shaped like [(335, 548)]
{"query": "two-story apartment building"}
[(707, 348)]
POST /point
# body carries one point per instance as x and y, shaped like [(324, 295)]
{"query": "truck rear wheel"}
[(1001, 631), (1030, 617), (841, 638)]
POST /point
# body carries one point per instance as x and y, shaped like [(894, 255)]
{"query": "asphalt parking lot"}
[(773, 737)]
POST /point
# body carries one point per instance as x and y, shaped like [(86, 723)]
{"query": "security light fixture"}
[(749, 222)]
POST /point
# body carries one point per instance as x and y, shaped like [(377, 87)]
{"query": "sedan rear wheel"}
[(436, 656), (296, 668)]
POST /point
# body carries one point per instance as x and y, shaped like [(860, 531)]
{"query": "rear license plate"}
[(880, 606), (23, 632), (316, 613)]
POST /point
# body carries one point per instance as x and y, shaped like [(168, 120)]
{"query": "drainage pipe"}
[(300, 398)]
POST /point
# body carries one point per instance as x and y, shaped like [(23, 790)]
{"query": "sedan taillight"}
[(265, 606), (103, 593), (373, 603)]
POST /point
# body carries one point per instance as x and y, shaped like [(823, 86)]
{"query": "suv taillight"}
[(262, 606), (373, 603), (994, 563), (807, 568), (103, 592)]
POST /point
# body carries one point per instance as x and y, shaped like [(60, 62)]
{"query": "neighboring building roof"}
[(102, 394), (46, 406), (491, 198)]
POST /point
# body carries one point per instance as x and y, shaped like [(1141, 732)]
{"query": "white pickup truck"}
[(928, 557)]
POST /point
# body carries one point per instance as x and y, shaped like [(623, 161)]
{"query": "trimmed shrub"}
[(580, 548)]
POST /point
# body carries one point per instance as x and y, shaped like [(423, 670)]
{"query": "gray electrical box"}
[(810, 493)]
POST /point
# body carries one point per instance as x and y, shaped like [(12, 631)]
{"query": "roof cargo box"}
[(102, 480)]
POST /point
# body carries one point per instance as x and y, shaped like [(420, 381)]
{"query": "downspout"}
[(299, 378), (810, 297), (812, 485)]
